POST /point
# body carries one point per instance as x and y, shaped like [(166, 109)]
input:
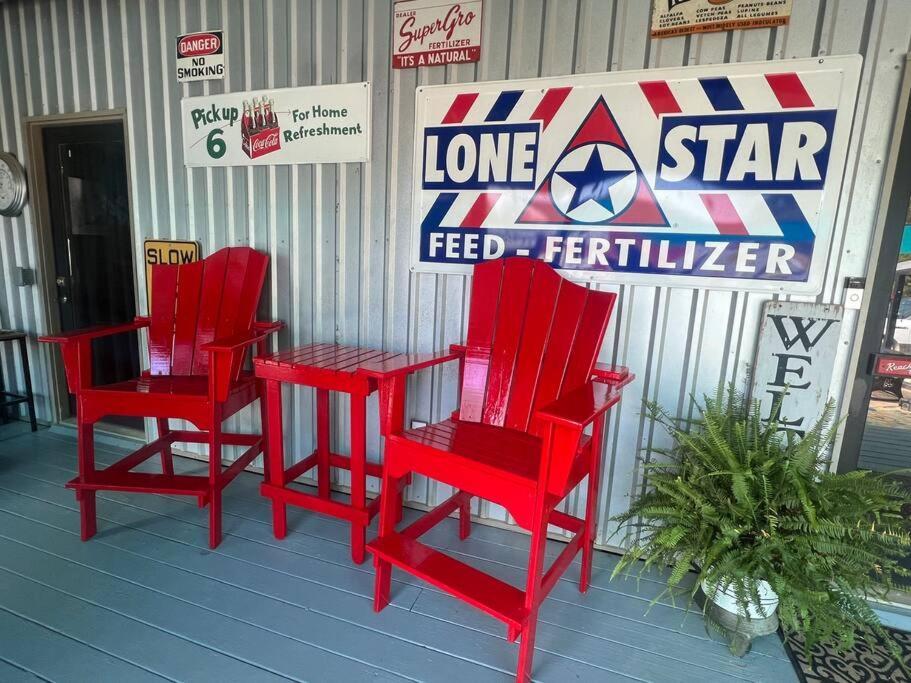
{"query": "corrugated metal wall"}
[(339, 234)]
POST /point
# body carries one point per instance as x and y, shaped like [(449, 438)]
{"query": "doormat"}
[(861, 664)]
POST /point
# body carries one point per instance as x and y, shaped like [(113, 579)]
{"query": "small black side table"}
[(8, 399)]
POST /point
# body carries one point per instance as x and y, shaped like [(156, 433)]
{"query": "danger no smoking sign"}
[(200, 56)]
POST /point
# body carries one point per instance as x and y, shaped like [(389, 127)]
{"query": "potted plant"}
[(751, 508)]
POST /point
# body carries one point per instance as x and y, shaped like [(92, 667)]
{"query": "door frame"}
[(890, 217), (33, 129)]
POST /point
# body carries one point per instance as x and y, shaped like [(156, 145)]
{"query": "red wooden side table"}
[(325, 367)]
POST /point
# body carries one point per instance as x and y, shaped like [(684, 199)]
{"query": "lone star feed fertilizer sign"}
[(311, 125), (721, 176)]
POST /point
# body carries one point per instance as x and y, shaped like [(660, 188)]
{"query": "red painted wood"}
[(542, 304), (327, 367), (515, 288), (193, 375), (188, 294), (161, 327), (530, 387)]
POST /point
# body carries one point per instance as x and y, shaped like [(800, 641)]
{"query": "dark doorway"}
[(90, 228)]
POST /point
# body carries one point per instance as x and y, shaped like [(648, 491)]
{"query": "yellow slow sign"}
[(167, 252)]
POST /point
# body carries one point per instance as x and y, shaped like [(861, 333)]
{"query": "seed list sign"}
[(312, 125), (434, 32), (717, 176), (200, 56)]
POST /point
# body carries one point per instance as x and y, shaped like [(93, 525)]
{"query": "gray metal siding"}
[(339, 234)]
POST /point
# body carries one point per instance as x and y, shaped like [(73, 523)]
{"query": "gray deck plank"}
[(134, 641), (306, 627), (304, 592), (48, 655), (631, 608), (41, 653), (491, 651), (14, 674)]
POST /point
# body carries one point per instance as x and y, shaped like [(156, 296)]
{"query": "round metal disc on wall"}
[(13, 185)]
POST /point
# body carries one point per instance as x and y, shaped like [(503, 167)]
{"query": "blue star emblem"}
[(593, 182)]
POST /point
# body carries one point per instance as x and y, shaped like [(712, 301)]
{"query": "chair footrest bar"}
[(300, 468), (138, 456), (497, 598), (238, 465), (142, 482), (566, 522), (430, 519), (552, 575)]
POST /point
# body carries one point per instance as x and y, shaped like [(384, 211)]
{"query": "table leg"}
[(322, 442), (275, 454), (4, 409), (358, 472), (23, 350)]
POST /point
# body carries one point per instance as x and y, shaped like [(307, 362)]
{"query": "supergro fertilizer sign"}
[(722, 176)]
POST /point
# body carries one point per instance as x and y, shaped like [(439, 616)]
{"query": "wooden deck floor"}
[(146, 600)]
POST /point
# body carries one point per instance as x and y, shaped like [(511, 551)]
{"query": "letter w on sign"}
[(802, 328)]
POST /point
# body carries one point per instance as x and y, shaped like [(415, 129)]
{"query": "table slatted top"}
[(11, 335), (326, 357)]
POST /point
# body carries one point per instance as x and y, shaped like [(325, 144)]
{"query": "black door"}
[(90, 222)]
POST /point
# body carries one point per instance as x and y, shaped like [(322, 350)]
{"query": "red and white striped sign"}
[(723, 175)]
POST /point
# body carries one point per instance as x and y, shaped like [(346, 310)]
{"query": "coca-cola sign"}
[(257, 144), (433, 33), (309, 125), (893, 366)]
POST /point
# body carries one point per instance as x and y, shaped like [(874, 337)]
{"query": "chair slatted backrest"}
[(196, 303), (532, 337)]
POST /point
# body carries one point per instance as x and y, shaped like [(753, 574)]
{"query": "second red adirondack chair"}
[(530, 388), (201, 326)]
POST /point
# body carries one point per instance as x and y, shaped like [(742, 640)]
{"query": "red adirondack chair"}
[(200, 329), (530, 388)]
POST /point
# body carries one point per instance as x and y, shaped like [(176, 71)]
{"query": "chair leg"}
[(589, 531), (532, 597), (465, 518), (86, 498), (215, 484), (167, 461), (390, 501)]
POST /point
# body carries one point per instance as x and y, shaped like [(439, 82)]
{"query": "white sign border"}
[(851, 65), (368, 118), (224, 56)]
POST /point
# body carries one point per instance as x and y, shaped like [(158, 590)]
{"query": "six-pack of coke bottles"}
[(259, 129)]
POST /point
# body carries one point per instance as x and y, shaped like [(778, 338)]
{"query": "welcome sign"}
[(721, 176), (310, 125)]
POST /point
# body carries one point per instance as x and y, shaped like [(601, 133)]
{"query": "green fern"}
[(737, 498)]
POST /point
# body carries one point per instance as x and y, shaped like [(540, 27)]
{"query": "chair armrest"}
[(90, 333), (243, 339), (582, 406), (268, 325), (406, 363), (615, 374), (226, 356)]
